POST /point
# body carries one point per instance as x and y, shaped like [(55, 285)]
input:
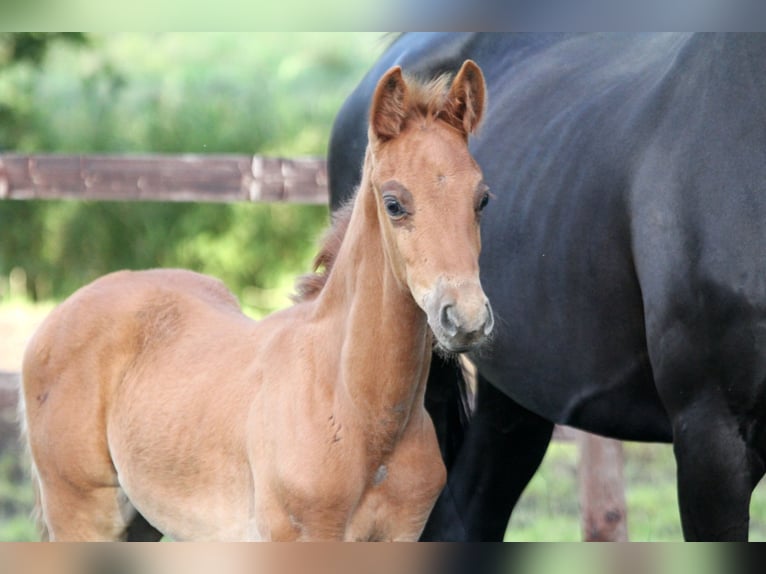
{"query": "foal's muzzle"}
[(460, 317)]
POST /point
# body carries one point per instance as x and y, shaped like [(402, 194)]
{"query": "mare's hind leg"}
[(501, 451), (717, 472)]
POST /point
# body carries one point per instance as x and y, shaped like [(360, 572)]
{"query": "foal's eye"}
[(483, 201), (394, 209)]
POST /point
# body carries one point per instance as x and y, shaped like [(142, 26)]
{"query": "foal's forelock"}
[(427, 98)]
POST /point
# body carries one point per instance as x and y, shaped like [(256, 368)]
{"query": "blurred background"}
[(267, 93), (251, 93), (254, 93)]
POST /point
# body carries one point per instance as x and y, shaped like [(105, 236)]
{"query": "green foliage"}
[(16, 495), (198, 93), (21, 55), (31, 47), (248, 246), (270, 94)]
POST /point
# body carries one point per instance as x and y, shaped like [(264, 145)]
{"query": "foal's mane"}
[(426, 101), (308, 286)]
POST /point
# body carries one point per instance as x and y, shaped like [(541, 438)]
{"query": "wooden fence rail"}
[(218, 178), (230, 178)]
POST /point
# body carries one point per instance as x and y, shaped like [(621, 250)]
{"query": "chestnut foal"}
[(153, 406)]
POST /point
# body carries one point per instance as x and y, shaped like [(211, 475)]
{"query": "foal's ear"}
[(465, 103), (389, 105)]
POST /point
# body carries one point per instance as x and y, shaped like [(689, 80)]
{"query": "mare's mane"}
[(426, 101)]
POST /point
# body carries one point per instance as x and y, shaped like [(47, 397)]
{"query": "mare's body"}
[(625, 259)]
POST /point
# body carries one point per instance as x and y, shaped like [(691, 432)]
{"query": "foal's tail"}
[(37, 512)]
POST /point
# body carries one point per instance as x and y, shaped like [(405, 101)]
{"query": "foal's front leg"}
[(287, 516), (406, 486)]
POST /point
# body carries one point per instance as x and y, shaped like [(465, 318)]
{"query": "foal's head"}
[(430, 195)]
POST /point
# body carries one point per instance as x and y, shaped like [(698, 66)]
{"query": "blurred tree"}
[(18, 53), (18, 50), (32, 46)]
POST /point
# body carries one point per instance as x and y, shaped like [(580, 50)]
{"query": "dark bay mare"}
[(624, 257)]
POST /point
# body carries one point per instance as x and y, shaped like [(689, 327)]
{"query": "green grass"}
[(549, 508), (16, 499), (620, 559), (16, 496)]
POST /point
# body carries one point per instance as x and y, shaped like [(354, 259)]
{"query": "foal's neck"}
[(386, 348)]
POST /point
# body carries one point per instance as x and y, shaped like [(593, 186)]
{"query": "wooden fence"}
[(227, 178), (163, 178)]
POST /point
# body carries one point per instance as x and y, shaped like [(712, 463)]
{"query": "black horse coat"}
[(624, 254)]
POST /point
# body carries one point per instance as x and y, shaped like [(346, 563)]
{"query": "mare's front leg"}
[(710, 380), (501, 451)]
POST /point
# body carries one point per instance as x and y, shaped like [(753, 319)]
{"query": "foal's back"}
[(120, 323)]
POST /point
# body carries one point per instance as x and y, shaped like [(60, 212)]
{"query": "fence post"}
[(603, 511)]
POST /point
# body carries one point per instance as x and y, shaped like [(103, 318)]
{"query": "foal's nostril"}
[(447, 320)]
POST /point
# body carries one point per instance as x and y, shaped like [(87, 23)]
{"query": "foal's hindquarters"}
[(107, 382), (143, 402)]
